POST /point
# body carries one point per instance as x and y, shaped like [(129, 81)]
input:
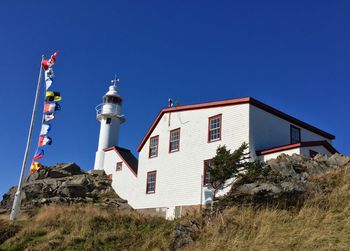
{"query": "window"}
[(174, 142), (119, 166), (151, 182), (206, 175), (214, 128), (108, 120), (294, 134), (153, 147), (112, 99)]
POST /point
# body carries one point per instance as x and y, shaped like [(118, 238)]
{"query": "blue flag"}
[(39, 154)]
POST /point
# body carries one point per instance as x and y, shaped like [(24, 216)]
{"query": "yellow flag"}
[(35, 167), (53, 96)]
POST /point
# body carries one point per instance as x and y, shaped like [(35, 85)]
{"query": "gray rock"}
[(271, 188), (70, 168), (337, 160), (256, 188), (290, 187), (65, 183), (286, 180), (72, 191), (97, 172), (33, 177), (281, 167), (185, 234), (80, 180)]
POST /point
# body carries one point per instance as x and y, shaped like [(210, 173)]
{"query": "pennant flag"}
[(45, 128), (47, 63), (49, 75), (39, 154), (35, 167), (53, 96), (44, 140), (51, 107), (48, 117), (52, 59)]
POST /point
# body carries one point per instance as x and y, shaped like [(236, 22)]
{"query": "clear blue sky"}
[(292, 55)]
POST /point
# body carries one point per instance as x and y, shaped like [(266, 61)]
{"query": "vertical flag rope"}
[(17, 200)]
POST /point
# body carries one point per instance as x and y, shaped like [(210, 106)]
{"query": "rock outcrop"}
[(65, 183), (185, 234), (284, 181)]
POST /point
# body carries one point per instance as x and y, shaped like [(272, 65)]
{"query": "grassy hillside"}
[(322, 223), (87, 228)]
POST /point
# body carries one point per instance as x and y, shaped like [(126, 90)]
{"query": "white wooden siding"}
[(124, 180), (268, 131), (179, 174)]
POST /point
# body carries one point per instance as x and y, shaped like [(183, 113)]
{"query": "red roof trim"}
[(323, 143), (120, 156), (246, 100)]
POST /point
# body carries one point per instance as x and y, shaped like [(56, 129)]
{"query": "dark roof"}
[(323, 143), (126, 156), (236, 101)]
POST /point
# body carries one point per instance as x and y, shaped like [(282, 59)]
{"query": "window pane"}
[(295, 135), (151, 182), (153, 147), (174, 140), (119, 166), (215, 128)]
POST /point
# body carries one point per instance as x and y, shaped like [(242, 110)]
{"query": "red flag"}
[(51, 107), (39, 154), (46, 64), (44, 140), (52, 59)]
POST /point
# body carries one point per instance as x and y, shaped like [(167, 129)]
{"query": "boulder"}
[(65, 183), (285, 180), (97, 172), (185, 234), (337, 160), (72, 191)]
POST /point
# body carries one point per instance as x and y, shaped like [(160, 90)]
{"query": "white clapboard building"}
[(169, 176)]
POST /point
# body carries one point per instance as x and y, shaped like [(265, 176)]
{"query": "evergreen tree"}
[(227, 165)]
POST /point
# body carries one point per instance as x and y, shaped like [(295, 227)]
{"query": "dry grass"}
[(90, 228), (323, 223)]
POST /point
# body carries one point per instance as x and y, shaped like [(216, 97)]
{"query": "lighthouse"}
[(109, 115)]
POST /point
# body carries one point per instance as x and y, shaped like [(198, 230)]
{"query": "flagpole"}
[(17, 200)]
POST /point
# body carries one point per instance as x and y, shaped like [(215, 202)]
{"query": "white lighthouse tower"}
[(109, 115)]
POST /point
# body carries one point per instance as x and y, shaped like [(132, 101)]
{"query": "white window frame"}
[(174, 140), (151, 183), (215, 128), (153, 148)]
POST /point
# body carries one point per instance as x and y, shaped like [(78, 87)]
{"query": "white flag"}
[(45, 128), (49, 77), (44, 140), (48, 117)]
